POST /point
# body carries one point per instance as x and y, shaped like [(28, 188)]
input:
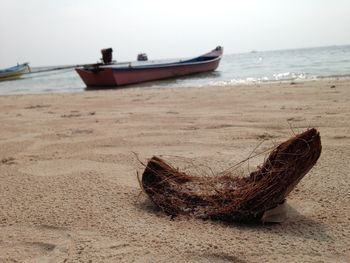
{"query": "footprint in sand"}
[(76, 113), (220, 126), (296, 119), (8, 161), (71, 115), (38, 244), (37, 106), (265, 136)]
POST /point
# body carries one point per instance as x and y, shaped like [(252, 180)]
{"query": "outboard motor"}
[(107, 55), (142, 57)]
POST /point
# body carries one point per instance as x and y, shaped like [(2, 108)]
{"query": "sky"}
[(48, 32)]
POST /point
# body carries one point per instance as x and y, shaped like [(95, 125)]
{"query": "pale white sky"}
[(47, 32)]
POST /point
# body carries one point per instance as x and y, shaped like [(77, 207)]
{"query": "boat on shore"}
[(111, 74), (14, 72)]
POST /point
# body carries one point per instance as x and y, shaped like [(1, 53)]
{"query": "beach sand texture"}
[(69, 191)]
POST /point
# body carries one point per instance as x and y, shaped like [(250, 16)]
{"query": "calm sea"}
[(245, 68)]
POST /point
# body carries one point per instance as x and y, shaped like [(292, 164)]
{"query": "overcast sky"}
[(48, 32)]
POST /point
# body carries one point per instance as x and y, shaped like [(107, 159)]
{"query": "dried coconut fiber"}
[(260, 196)]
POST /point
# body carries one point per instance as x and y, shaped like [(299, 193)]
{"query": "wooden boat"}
[(14, 72), (119, 74)]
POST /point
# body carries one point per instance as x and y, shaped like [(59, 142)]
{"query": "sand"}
[(69, 190)]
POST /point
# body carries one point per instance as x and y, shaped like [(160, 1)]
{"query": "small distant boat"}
[(14, 72), (112, 74)]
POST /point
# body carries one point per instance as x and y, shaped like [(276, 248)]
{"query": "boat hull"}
[(109, 76), (14, 72), (121, 77)]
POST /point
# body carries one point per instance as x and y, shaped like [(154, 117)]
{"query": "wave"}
[(282, 77), (335, 76)]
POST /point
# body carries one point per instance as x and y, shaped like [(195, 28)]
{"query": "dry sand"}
[(69, 191)]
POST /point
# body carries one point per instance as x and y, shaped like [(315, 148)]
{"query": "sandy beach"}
[(68, 173)]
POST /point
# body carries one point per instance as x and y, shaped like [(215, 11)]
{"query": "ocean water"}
[(245, 68)]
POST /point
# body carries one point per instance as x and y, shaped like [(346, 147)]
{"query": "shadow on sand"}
[(297, 224)]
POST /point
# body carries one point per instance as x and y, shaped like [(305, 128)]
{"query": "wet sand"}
[(69, 190)]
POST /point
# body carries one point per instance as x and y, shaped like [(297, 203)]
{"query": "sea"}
[(246, 68)]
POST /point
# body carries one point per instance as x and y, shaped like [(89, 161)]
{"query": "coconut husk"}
[(228, 197)]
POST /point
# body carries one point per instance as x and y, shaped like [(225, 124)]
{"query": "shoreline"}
[(162, 84), (69, 191)]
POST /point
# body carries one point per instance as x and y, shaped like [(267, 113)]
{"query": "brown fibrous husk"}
[(228, 197)]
